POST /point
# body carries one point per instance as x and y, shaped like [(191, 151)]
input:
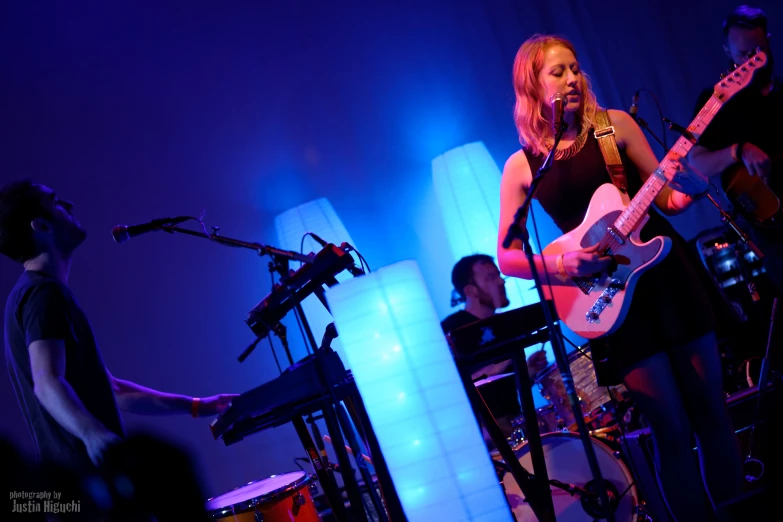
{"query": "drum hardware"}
[(598, 401), (364, 457), (591, 500), (566, 460), (484, 379)]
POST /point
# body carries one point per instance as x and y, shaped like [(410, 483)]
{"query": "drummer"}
[(477, 282)]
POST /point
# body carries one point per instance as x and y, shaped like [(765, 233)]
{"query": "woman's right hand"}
[(585, 262)]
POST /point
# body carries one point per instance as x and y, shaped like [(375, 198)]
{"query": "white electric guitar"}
[(596, 306)]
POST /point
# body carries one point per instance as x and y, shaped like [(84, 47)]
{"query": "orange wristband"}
[(560, 268), (194, 406)]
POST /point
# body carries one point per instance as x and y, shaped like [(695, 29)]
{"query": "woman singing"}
[(665, 352)]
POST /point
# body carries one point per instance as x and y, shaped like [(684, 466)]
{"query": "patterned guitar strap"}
[(604, 135)]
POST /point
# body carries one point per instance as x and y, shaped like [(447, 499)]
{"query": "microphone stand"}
[(515, 231), (724, 216), (258, 247), (279, 263), (643, 124)]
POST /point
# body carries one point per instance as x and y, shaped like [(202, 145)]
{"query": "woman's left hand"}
[(684, 178)]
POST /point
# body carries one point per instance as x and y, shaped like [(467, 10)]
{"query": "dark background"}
[(138, 110)]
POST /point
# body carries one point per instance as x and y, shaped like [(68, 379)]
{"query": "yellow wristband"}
[(194, 406), (560, 268)]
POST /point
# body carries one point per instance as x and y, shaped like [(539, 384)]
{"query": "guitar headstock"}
[(740, 76)]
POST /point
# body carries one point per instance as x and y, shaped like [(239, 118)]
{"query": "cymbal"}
[(492, 378)]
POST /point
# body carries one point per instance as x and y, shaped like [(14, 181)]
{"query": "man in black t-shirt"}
[(69, 399), (748, 129), (477, 282)]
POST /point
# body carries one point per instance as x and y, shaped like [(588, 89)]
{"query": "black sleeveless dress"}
[(671, 304)]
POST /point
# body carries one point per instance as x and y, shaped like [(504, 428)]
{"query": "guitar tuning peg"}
[(723, 76), (734, 67)]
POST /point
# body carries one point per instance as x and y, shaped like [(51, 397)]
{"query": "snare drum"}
[(594, 400), (566, 461), (279, 498)]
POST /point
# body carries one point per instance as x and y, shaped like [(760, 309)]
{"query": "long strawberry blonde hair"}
[(532, 127)]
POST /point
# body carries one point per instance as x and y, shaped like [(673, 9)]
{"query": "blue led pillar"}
[(316, 216), (393, 343), (467, 186)]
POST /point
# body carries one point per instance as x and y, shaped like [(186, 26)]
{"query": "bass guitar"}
[(596, 306), (749, 194)]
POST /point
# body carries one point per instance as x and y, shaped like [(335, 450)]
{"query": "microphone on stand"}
[(122, 233), (634, 105), (558, 102)]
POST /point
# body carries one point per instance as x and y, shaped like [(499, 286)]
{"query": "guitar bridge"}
[(594, 314)]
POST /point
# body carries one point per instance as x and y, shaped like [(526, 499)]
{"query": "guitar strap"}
[(604, 135)]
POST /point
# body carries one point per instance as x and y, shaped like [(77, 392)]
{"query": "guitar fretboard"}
[(640, 204)]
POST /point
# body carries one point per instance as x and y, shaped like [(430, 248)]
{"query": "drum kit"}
[(564, 453)]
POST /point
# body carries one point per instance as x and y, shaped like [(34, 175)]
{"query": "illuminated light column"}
[(317, 216), (393, 343), (467, 186)]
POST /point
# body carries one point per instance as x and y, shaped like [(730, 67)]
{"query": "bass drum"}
[(566, 462)]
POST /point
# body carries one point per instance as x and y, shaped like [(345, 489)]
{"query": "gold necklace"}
[(574, 148)]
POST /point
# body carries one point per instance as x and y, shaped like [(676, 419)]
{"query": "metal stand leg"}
[(536, 492), (347, 425), (603, 505), (532, 432), (349, 478), (327, 482), (355, 405)]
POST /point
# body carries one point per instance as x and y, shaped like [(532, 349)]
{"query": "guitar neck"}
[(637, 209)]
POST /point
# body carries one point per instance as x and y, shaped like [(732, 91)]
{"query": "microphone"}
[(634, 105), (122, 233), (558, 102)]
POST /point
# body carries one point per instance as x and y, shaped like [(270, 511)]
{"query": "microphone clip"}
[(676, 127)]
